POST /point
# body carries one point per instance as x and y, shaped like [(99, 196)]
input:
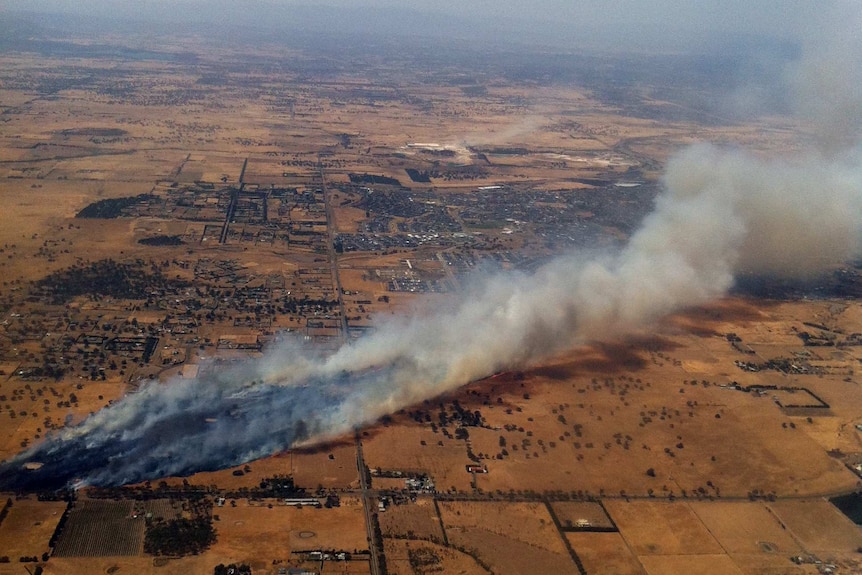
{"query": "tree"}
[(179, 536)]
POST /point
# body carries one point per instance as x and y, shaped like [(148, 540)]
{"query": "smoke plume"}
[(721, 212)]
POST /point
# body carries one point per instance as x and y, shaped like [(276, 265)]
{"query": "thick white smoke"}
[(722, 212)]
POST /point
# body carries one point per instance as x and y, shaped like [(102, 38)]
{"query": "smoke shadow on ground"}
[(700, 321), (604, 358), (326, 447), (839, 283)]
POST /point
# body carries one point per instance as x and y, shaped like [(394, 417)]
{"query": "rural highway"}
[(333, 256), (366, 505)]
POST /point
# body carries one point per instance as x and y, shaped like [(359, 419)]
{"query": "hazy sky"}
[(704, 14), (622, 20)]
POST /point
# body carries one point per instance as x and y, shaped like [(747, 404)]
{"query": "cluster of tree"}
[(113, 207), (418, 176), (294, 305), (5, 510), (162, 241), (441, 153), (378, 542), (280, 486), (47, 369), (95, 132), (104, 278), (461, 416), (471, 173), (373, 179), (181, 536), (232, 569), (422, 557)]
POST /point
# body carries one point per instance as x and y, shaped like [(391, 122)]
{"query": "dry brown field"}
[(745, 528), (766, 564), (333, 467), (605, 553), (818, 526), (445, 462), (662, 528), (254, 534), (693, 564), (417, 520), (631, 404), (509, 556), (720, 537), (28, 527), (529, 523), (448, 560), (310, 469), (261, 533), (32, 413)]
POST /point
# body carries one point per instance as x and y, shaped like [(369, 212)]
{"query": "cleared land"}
[(27, 529), (605, 553), (412, 521), (662, 528), (266, 531), (745, 528), (694, 564), (818, 525), (526, 522)]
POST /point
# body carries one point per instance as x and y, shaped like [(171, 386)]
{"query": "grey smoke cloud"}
[(723, 211)]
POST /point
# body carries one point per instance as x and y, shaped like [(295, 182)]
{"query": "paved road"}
[(366, 504), (234, 196), (333, 255)]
